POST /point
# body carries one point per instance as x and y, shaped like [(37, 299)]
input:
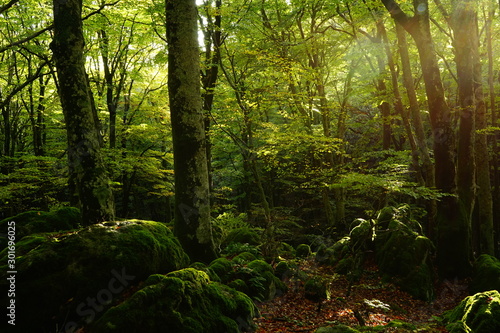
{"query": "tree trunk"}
[(86, 166), (192, 206), (426, 166), (453, 247)]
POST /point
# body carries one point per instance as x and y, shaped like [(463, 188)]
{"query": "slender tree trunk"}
[(192, 211), (426, 165), (213, 39), (86, 165), (453, 236)]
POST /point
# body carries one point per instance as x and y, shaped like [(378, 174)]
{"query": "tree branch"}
[(8, 5)]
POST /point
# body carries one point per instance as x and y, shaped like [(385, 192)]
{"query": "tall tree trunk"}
[(192, 211), (484, 205), (465, 44), (453, 247), (86, 165), (213, 39), (426, 165)]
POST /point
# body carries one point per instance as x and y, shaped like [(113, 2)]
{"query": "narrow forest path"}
[(376, 302)]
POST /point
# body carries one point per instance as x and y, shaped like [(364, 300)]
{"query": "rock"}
[(303, 250), (404, 255), (316, 290), (65, 278), (242, 235), (183, 301), (31, 222), (479, 313), (336, 329), (486, 274)]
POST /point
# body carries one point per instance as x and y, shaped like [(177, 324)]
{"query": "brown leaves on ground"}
[(371, 300)]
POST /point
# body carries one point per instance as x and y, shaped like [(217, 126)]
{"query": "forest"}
[(250, 166)]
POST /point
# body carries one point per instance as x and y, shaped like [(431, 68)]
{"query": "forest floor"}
[(292, 312)]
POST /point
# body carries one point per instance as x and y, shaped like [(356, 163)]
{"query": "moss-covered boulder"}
[(334, 253), (222, 267), (242, 235), (479, 313), (404, 255), (315, 289), (486, 274), (303, 250), (63, 278), (336, 329), (184, 301), (361, 233), (31, 222)]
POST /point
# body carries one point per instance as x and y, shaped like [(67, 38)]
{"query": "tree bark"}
[(192, 211), (86, 165), (453, 247)]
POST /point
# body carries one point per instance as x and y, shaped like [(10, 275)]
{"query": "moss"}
[(184, 301), (385, 216), (479, 313), (486, 274), (31, 222), (242, 235), (244, 258), (315, 289), (303, 250), (362, 232), (239, 285), (77, 265), (334, 253), (222, 267), (405, 255), (282, 270), (336, 329)]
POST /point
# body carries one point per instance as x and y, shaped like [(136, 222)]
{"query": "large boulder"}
[(184, 301), (31, 222), (479, 313), (65, 278), (486, 274), (405, 256)]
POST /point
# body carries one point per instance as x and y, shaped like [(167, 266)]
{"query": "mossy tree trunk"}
[(192, 205), (453, 234), (87, 171)]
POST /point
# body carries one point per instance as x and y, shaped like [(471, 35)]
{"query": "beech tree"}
[(87, 171), (192, 205)]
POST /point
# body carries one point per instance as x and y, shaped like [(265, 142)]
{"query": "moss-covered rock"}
[(222, 267), (362, 232), (283, 270), (31, 222), (486, 274), (242, 235), (336, 329), (303, 250), (65, 278), (334, 253), (479, 313), (239, 285), (315, 289), (184, 301), (244, 257), (404, 255)]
